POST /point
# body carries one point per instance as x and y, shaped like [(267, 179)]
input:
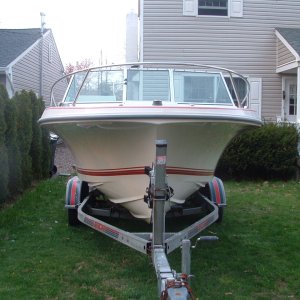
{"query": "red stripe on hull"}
[(187, 171), (141, 171)]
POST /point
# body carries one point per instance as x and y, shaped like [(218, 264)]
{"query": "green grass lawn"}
[(257, 256)]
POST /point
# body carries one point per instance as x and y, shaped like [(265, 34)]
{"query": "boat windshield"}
[(134, 84), (96, 86), (148, 85), (204, 88)]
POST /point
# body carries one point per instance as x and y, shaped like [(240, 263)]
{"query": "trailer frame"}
[(158, 243)]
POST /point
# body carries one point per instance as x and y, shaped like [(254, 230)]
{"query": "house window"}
[(293, 100), (213, 7), (227, 8)]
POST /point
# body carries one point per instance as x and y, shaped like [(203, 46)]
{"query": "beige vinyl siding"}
[(52, 71), (156, 85), (26, 71), (246, 45), (284, 55)]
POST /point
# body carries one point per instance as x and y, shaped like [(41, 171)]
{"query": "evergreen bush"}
[(24, 146), (4, 173), (268, 152), (36, 143), (24, 130), (46, 151), (11, 141)]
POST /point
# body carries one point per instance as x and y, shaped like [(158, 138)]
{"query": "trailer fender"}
[(217, 192), (217, 196), (75, 192)]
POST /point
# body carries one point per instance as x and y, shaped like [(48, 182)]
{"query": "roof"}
[(292, 36), (14, 42)]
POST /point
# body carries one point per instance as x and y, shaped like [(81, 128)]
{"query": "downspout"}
[(41, 54), (141, 30), (41, 66), (298, 94)]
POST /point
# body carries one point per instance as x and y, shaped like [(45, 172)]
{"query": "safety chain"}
[(177, 284)]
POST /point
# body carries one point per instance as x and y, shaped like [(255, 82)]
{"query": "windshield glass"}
[(113, 85), (148, 85), (99, 86), (204, 88)]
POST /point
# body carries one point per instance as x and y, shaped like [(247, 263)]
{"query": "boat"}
[(111, 116)]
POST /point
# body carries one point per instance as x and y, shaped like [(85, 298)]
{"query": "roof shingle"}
[(14, 42), (292, 36)]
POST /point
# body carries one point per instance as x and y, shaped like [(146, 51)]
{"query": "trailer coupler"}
[(170, 284)]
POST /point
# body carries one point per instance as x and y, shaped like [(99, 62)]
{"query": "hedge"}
[(3, 151), (24, 146), (268, 152), (24, 129), (13, 151)]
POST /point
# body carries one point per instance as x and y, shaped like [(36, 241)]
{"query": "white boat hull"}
[(111, 154)]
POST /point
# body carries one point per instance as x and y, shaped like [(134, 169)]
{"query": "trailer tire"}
[(72, 217), (220, 213), (76, 192)]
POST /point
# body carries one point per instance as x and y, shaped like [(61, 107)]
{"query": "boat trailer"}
[(158, 243)]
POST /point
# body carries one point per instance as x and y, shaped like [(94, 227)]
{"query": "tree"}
[(46, 151), (13, 151), (4, 174), (85, 64), (36, 143), (24, 130)]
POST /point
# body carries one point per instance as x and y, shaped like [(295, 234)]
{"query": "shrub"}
[(46, 152), (11, 141), (36, 142), (24, 130), (24, 145), (268, 152), (4, 173)]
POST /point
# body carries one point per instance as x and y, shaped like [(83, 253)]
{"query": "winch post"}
[(170, 286)]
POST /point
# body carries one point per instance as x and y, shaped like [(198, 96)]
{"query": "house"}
[(29, 60), (259, 39)]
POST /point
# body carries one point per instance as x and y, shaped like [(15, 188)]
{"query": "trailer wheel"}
[(221, 212), (76, 191), (215, 191), (72, 217)]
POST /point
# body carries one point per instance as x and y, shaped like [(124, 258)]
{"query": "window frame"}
[(234, 9), (212, 8)]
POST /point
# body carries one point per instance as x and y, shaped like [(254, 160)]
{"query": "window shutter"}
[(255, 94), (190, 7), (236, 8)]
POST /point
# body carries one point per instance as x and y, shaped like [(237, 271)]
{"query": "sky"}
[(82, 29)]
